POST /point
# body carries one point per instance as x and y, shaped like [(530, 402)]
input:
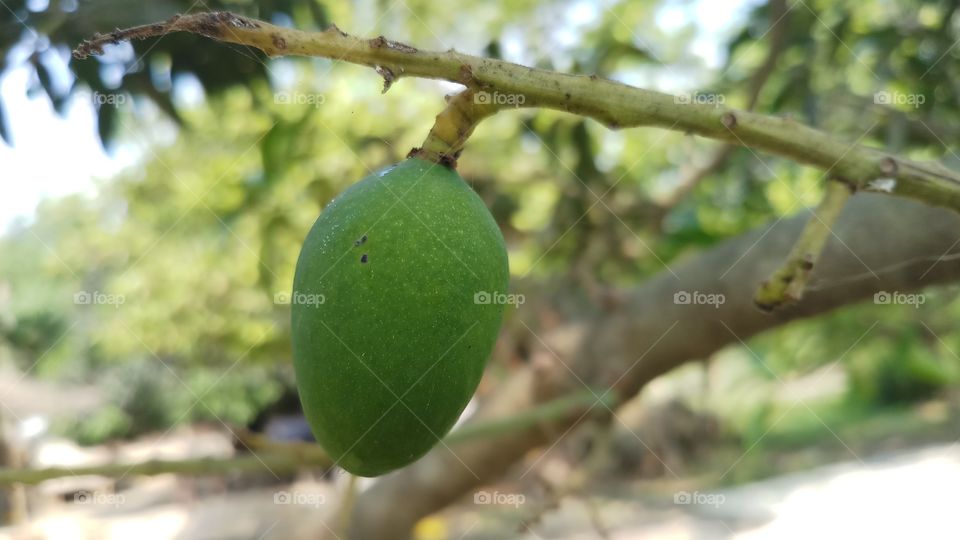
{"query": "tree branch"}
[(786, 285), (779, 19), (280, 457), (276, 463), (614, 104)]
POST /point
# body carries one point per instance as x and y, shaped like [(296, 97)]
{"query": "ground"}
[(899, 494)]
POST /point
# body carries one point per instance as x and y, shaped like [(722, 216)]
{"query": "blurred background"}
[(154, 200)]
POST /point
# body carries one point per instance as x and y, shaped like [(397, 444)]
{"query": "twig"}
[(277, 463), (549, 411), (779, 22), (693, 178), (786, 285), (289, 457), (615, 104)]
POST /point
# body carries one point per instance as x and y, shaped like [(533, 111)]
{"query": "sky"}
[(57, 155), (52, 155)]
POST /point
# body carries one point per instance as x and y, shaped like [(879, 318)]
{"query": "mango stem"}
[(453, 126)]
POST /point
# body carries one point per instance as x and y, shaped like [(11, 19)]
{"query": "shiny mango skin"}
[(389, 342)]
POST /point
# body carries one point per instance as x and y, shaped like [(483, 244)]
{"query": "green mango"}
[(395, 311)]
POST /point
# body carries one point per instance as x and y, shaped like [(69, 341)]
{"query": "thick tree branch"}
[(615, 104)]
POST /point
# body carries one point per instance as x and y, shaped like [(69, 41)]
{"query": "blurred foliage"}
[(41, 34), (146, 395), (194, 244)]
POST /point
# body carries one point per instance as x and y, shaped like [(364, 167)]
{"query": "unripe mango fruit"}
[(392, 313)]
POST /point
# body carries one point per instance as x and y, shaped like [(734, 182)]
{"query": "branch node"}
[(729, 120), (382, 42), (466, 76), (888, 166)]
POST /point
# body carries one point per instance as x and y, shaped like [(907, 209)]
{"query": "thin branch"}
[(786, 285), (696, 175), (779, 22), (615, 104), (280, 457), (546, 412), (277, 463)]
